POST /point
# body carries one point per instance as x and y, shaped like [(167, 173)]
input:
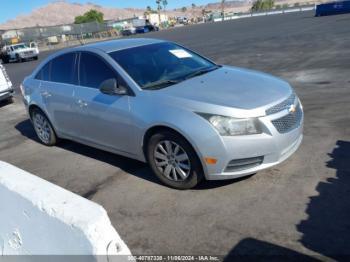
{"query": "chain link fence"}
[(52, 37)]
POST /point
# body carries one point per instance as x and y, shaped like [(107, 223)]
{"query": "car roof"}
[(17, 44), (120, 44)]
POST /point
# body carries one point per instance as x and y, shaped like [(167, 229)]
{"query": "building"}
[(153, 18)]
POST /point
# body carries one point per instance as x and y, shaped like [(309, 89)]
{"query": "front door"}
[(102, 119)]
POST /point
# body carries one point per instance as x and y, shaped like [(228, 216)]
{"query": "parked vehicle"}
[(128, 31), (19, 52), (162, 103), (146, 29), (6, 89), (333, 8), (182, 20)]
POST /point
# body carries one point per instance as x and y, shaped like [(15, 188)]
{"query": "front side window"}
[(162, 64), (93, 70), (62, 69)]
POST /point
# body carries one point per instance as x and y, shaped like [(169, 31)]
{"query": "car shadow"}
[(250, 249), (326, 231), (212, 184), (5, 102), (128, 165)]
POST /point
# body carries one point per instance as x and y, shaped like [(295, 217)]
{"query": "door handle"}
[(45, 94), (82, 103)]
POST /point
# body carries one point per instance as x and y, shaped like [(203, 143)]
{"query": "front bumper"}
[(272, 146), (6, 94)]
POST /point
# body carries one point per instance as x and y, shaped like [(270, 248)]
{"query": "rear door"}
[(102, 119), (59, 77)]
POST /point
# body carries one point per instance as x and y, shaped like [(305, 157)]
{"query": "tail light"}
[(22, 89), (6, 75)]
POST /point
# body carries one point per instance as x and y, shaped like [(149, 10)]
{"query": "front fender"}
[(198, 131)]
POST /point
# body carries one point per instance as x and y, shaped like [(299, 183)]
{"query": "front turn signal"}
[(211, 161)]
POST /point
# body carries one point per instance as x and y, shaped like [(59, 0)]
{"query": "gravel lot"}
[(299, 208)]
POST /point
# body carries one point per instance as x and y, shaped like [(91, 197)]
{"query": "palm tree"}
[(165, 3), (193, 8), (148, 11)]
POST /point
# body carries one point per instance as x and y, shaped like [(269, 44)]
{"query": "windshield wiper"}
[(160, 84), (202, 71)]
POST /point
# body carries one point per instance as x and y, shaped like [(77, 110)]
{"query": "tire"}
[(10, 100), (36, 57), (18, 59), (43, 128), (164, 168), (5, 59)]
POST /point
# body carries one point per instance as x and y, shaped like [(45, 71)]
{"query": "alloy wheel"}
[(42, 128), (172, 160)]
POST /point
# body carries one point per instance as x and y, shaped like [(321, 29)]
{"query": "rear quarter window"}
[(62, 69), (44, 73)]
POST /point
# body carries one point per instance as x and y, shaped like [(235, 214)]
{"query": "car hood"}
[(26, 49), (231, 87)]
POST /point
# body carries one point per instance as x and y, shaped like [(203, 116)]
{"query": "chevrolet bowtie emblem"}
[(292, 109)]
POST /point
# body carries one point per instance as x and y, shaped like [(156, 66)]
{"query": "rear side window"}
[(44, 73), (93, 70), (62, 69)]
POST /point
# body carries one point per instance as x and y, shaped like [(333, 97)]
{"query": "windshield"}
[(22, 46), (159, 65)]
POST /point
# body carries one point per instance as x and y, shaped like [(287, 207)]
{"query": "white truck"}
[(6, 89), (19, 52)]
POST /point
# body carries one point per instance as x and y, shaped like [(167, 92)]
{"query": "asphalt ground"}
[(300, 208)]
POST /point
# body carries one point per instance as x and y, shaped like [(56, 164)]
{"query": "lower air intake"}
[(245, 163)]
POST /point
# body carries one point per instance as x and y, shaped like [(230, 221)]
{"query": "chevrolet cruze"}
[(161, 103)]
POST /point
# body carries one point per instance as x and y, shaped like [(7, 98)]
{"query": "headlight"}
[(228, 126)]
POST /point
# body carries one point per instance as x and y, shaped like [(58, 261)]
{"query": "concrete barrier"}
[(40, 218)]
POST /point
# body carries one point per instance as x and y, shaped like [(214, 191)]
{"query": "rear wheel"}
[(43, 128), (5, 59), (174, 161)]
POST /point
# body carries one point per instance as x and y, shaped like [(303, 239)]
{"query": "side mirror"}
[(111, 87)]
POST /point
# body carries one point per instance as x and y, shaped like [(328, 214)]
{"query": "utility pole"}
[(158, 8), (223, 9)]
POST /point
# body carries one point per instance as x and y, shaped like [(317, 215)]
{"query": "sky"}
[(12, 8)]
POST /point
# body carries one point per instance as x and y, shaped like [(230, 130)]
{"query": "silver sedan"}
[(161, 103)]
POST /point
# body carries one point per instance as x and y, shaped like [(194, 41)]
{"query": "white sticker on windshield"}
[(180, 53)]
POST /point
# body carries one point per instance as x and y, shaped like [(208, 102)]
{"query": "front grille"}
[(288, 122), (282, 106), (245, 163), (28, 52)]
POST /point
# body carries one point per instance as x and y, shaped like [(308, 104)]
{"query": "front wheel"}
[(43, 128), (18, 58), (10, 100), (174, 161)]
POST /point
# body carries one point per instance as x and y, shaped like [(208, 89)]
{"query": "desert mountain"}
[(62, 12)]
